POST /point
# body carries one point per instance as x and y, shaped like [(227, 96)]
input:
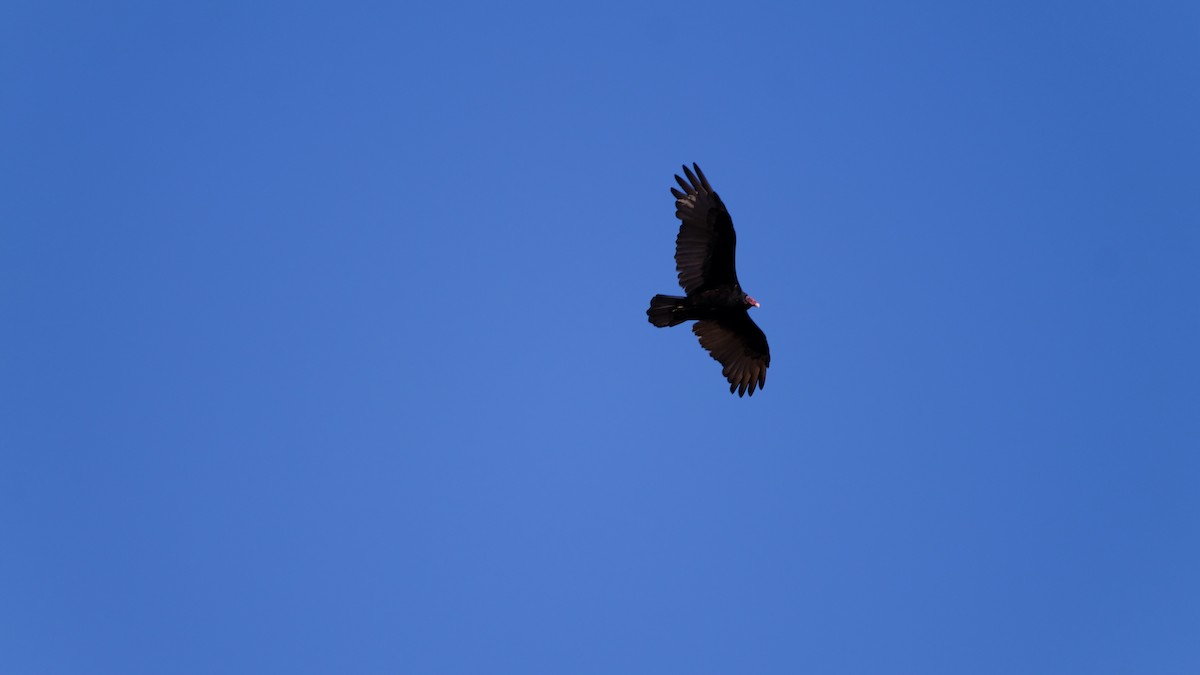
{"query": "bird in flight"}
[(704, 258)]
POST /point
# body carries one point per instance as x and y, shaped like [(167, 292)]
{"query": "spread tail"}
[(668, 310)]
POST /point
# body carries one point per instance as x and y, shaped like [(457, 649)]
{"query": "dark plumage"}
[(704, 257)]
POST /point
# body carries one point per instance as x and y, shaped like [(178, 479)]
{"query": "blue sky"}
[(324, 346)]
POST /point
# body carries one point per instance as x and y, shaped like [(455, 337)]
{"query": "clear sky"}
[(323, 344)]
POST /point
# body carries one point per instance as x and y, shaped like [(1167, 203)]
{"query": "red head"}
[(752, 301)]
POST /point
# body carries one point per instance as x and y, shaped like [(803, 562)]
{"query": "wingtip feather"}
[(692, 177), (703, 178)]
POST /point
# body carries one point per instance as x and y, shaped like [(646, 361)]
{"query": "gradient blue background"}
[(323, 346)]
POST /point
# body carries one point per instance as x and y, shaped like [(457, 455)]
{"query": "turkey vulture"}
[(704, 257)]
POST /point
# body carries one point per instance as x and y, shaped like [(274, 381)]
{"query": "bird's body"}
[(710, 304), (705, 260)]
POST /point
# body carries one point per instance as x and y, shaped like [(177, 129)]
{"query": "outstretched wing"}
[(740, 346), (704, 249)]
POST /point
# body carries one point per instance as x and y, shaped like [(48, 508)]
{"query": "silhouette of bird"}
[(704, 257)]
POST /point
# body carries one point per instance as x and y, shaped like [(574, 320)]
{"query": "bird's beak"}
[(757, 305)]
